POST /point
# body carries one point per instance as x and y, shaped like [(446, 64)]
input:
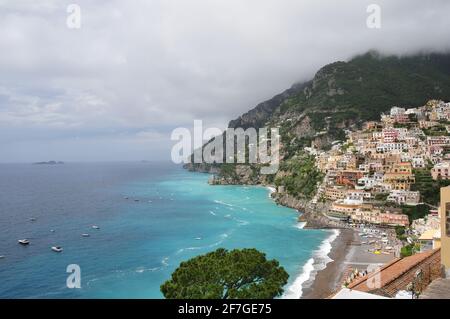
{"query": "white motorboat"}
[(95, 227), (57, 249), (85, 235), (24, 242)]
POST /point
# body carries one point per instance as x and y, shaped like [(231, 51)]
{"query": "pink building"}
[(394, 219), (390, 135)]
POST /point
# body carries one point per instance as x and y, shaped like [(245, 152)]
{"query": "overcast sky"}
[(115, 88)]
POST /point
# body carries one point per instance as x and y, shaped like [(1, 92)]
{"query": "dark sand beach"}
[(346, 252)]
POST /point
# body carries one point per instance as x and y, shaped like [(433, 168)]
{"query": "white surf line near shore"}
[(300, 225), (315, 264), (271, 190)]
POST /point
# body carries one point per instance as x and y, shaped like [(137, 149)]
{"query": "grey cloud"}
[(142, 65)]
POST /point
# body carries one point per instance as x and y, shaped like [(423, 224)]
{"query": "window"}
[(447, 219)]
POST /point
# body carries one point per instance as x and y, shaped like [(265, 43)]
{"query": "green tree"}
[(223, 274)]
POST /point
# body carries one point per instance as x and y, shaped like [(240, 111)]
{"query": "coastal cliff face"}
[(315, 113), (202, 168), (312, 214)]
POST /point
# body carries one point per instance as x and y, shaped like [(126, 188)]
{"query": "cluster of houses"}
[(375, 165)]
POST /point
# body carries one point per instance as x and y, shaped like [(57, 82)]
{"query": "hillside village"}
[(389, 173)]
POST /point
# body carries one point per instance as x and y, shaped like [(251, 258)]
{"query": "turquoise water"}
[(176, 216)]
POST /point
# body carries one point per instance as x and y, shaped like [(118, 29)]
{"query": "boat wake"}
[(222, 237)]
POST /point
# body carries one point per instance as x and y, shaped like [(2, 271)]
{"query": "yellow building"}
[(431, 239), (445, 227), (400, 176)]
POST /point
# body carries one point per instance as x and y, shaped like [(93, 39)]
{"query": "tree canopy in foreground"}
[(223, 274)]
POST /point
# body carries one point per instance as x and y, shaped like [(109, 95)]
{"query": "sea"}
[(150, 217)]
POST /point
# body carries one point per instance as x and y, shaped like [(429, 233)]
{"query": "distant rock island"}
[(49, 163)]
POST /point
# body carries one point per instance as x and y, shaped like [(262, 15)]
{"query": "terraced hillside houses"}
[(388, 172)]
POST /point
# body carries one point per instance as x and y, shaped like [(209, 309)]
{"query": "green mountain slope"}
[(363, 87), (341, 95)]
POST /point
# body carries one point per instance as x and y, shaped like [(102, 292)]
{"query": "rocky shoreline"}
[(312, 213)]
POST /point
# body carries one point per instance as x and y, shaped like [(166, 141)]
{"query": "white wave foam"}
[(294, 291), (143, 269), (271, 191), (300, 225), (311, 268), (241, 222), (165, 261)]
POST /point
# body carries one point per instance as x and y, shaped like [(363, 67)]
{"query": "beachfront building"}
[(371, 216), (393, 219), (348, 207)]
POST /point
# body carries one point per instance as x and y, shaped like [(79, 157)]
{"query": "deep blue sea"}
[(170, 215)]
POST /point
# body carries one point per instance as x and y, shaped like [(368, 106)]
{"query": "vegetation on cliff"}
[(428, 188), (340, 96), (299, 176)]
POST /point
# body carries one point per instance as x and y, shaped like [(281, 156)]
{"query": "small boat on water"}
[(198, 238), (2, 257), (52, 230), (57, 249), (24, 242), (85, 235), (32, 219), (95, 227)]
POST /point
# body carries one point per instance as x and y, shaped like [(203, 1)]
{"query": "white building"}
[(402, 197), (392, 147)]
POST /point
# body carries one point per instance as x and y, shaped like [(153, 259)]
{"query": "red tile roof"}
[(392, 270)]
